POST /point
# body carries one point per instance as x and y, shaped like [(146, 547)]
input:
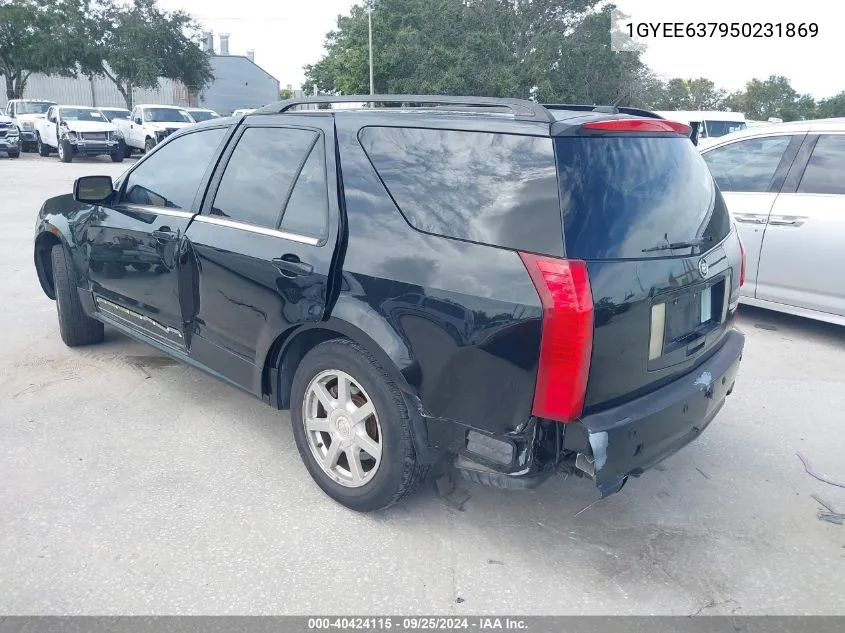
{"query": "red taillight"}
[(742, 265), (567, 339), (639, 125)]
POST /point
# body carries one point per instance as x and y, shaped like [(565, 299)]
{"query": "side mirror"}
[(138, 120), (93, 189)]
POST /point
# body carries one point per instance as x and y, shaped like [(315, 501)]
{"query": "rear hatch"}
[(641, 209)]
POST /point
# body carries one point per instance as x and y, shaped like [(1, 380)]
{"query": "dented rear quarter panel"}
[(480, 375)]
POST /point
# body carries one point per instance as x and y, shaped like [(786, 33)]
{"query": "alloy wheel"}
[(342, 428)]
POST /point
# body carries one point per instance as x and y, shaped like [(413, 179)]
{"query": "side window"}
[(749, 165), (171, 176), (824, 170), (498, 189), (307, 210), (259, 175)]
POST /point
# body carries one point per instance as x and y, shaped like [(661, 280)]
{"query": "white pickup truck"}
[(77, 131), (25, 112), (151, 124)]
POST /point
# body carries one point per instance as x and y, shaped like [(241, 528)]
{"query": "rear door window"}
[(824, 172), (260, 174), (747, 166), (497, 189), (625, 197)]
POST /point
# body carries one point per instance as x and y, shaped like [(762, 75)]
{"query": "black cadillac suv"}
[(514, 288)]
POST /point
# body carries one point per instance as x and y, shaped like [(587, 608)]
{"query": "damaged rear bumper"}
[(631, 438)]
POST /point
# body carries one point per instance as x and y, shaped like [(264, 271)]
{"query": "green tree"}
[(772, 97), (690, 94), (42, 36), (831, 107), (141, 43), (554, 50), (579, 66)]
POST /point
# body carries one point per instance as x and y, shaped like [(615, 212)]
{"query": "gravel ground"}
[(130, 484)]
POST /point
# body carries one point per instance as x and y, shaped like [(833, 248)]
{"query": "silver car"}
[(784, 185)]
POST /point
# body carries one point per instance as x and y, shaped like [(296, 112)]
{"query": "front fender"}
[(60, 221)]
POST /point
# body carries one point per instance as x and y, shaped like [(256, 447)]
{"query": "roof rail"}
[(521, 108), (605, 109)]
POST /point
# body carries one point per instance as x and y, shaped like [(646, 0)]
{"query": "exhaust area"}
[(586, 465)]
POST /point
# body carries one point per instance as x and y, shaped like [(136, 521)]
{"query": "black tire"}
[(65, 151), (117, 157), (76, 327), (15, 154), (43, 148), (398, 473), (149, 144)]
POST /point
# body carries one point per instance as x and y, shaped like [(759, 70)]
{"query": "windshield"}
[(621, 197), (203, 115), (720, 128), (33, 107), (166, 115), (81, 114), (115, 114)]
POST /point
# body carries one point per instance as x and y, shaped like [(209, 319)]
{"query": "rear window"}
[(497, 189), (620, 196)]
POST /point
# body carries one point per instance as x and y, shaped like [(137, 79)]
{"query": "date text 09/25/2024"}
[(421, 623), (765, 30)]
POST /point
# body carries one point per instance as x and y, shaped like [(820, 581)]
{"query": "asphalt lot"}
[(133, 485)]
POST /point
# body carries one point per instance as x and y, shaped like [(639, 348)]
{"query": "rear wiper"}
[(673, 246)]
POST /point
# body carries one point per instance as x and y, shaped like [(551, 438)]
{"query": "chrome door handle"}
[(786, 221), (290, 266), (749, 218)]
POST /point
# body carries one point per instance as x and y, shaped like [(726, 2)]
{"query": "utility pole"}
[(370, 25)]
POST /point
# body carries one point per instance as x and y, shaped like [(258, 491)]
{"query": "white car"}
[(202, 114), (77, 131), (784, 185), (150, 124), (26, 112), (10, 138), (243, 111), (114, 113), (711, 124)]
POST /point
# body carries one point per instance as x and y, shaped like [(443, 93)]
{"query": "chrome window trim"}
[(294, 237), (159, 210)]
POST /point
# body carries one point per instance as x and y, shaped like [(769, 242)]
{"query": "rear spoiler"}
[(638, 112), (603, 109)]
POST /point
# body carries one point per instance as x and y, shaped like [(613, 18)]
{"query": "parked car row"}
[(69, 130)]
